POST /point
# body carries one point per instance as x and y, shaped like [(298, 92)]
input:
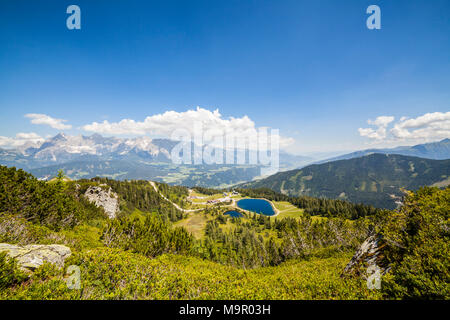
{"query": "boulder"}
[(108, 200), (32, 256), (369, 256)]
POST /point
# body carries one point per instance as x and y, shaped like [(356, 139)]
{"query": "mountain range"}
[(128, 158), (63, 148), (434, 150), (375, 179)]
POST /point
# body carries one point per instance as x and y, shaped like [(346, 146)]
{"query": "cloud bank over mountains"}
[(425, 128), (21, 139), (211, 125), (383, 130), (169, 121)]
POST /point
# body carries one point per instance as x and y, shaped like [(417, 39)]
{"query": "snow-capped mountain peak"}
[(64, 147)]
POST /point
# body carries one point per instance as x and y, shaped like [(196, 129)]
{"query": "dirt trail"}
[(174, 204)]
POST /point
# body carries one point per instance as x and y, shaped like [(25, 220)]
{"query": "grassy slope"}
[(287, 210), (115, 274), (195, 223)]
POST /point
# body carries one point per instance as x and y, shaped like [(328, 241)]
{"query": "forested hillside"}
[(375, 179), (316, 206), (55, 205), (141, 254)]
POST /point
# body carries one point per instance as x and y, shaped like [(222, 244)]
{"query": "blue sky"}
[(309, 68)]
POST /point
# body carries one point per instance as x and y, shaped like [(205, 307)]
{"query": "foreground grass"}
[(115, 274)]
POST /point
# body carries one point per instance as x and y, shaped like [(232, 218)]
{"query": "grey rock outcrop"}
[(369, 255), (33, 256), (108, 200)]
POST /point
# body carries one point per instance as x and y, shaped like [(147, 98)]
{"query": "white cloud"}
[(169, 122), (21, 139), (37, 118), (381, 121), (380, 133), (425, 128), (429, 126)]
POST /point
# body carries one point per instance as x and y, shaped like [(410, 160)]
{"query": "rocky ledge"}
[(369, 256), (33, 256), (108, 200)]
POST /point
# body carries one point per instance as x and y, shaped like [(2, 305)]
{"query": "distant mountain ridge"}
[(435, 150), (128, 158), (63, 148), (374, 179), (146, 158)]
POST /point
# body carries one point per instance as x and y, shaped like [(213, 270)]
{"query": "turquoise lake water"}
[(234, 214), (256, 205)]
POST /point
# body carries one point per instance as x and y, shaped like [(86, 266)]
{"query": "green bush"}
[(151, 237), (14, 229), (115, 274), (419, 251), (10, 274), (53, 204)]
